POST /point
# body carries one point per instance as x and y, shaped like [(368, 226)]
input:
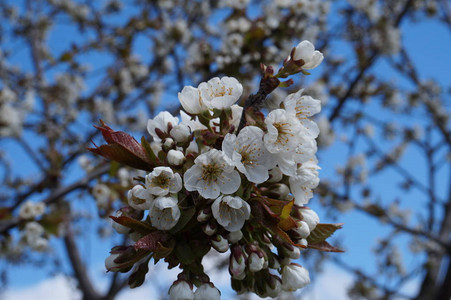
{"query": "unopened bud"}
[(235, 236), (275, 175), (220, 243), (175, 157), (209, 228), (281, 189), (204, 215)]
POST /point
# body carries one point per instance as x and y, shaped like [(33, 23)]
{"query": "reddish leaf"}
[(152, 242), (324, 246), (122, 148)]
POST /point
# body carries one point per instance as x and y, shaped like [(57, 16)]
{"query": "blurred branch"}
[(57, 194)]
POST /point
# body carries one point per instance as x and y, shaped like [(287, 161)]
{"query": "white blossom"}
[(110, 265), (212, 174), (140, 198), (294, 277), (248, 153), (255, 262), (302, 229), (303, 107), (162, 181), (305, 50), (39, 244), (235, 236), (119, 227), (175, 157), (302, 183), (181, 290), (231, 212), (101, 193), (30, 210), (283, 131), (310, 217), (207, 291), (164, 213), (161, 122), (220, 93), (191, 100), (180, 132), (220, 244), (237, 268)]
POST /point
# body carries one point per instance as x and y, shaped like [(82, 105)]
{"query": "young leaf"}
[(122, 148), (324, 246), (322, 232)]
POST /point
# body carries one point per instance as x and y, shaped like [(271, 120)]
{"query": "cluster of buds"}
[(228, 178)]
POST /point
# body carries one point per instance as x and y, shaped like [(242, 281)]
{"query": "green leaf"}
[(149, 151), (185, 253), (185, 217), (322, 232), (134, 224)]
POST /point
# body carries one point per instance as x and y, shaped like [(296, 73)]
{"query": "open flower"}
[(191, 101), (302, 183), (220, 93), (306, 51), (303, 107), (283, 131), (248, 153), (139, 198), (164, 213), (294, 277), (162, 181), (231, 212), (161, 122), (212, 174)]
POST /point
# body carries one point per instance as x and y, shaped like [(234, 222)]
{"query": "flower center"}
[(161, 181), (210, 172), (283, 133)]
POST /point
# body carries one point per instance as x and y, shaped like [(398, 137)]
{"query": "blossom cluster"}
[(225, 177)]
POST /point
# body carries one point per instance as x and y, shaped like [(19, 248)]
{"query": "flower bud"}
[(288, 250), (139, 198), (220, 243), (110, 265), (207, 291), (181, 290), (192, 148), (302, 230), (282, 189), (180, 133), (310, 217), (209, 228), (175, 157), (256, 262), (204, 215), (235, 236), (118, 227), (168, 144), (294, 277), (237, 263), (275, 175), (273, 286)]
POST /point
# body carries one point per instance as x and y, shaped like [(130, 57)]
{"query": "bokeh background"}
[(385, 143)]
